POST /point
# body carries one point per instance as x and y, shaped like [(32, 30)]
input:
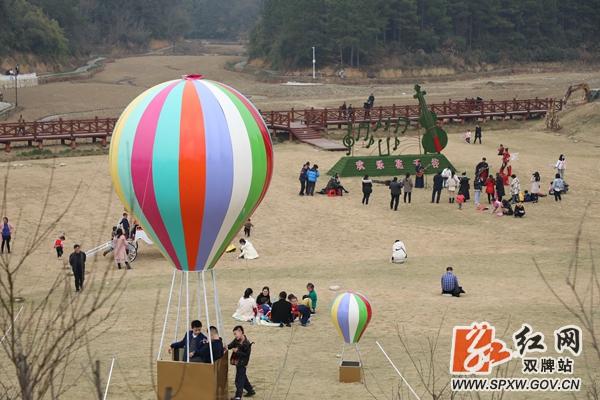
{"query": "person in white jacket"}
[(399, 254), (561, 165), (246, 308), (248, 250), (515, 188)]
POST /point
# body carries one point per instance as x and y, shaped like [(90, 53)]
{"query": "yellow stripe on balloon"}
[(334, 312)]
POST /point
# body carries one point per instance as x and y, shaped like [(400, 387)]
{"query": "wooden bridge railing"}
[(101, 128)]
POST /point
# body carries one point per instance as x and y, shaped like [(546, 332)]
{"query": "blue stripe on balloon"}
[(165, 167), (219, 172), (343, 311)]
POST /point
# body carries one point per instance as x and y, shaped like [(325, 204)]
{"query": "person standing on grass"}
[(499, 187), (303, 177), (490, 187), (464, 186), (120, 249), (248, 227), (515, 188), (407, 184), (59, 246), (241, 349), (452, 184), (438, 184), (558, 186), (7, 231), (367, 189), (395, 190), (311, 180), (535, 186), (477, 186), (561, 166), (477, 134), (77, 262)]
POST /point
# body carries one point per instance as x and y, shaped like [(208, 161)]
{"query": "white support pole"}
[(314, 62), (398, 371), (343, 350), (216, 299), (110, 371), (198, 291), (187, 315), (212, 361), (178, 307), (164, 330), (11, 325)]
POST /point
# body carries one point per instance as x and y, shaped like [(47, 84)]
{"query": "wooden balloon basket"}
[(184, 380), (351, 371)]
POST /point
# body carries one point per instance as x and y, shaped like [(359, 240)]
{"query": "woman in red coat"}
[(490, 185)]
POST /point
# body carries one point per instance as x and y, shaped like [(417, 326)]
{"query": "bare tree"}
[(40, 345), (583, 298)]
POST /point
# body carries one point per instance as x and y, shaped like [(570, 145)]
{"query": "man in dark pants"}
[(241, 349), (438, 184), (477, 134), (77, 262), (395, 190), (303, 178)]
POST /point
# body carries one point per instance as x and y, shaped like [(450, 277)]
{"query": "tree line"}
[(54, 29), (421, 32)]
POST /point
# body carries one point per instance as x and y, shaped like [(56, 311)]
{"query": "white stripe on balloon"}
[(242, 165), (353, 317)]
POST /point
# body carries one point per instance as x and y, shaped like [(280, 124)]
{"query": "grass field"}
[(331, 241)]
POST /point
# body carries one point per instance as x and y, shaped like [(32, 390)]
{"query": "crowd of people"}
[(283, 311), (458, 188)]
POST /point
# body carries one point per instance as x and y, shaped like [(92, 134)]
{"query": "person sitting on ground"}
[(246, 308), (399, 254), (307, 302), (196, 341), (248, 250), (312, 293), (450, 283), (217, 347), (299, 310), (263, 300), (519, 210), (468, 137), (281, 311), (507, 208), (334, 184)]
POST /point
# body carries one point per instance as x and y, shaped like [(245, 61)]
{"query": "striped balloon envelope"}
[(351, 314), (191, 159)]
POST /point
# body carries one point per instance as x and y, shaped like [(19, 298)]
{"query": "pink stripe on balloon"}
[(141, 170)]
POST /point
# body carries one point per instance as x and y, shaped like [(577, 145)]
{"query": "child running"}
[(59, 246)]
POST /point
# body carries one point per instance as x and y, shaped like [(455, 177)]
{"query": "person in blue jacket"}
[(311, 179)]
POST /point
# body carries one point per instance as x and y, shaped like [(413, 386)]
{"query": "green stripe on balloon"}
[(362, 318)]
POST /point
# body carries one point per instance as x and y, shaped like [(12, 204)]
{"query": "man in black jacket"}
[(281, 311), (395, 190), (241, 349), (438, 184), (477, 134), (77, 262)]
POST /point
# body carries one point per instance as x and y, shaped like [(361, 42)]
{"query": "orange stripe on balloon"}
[(192, 178)]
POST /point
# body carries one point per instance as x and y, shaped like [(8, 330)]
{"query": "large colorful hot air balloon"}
[(191, 159), (351, 314)]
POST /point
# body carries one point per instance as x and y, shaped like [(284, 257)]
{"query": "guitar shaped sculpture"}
[(435, 138)]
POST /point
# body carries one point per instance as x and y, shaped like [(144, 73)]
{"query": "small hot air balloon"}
[(351, 314), (191, 159)]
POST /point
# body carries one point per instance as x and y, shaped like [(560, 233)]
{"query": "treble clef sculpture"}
[(435, 138)]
